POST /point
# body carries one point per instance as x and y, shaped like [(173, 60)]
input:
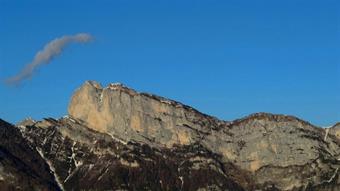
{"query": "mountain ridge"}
[(122, 86), (115, 138)]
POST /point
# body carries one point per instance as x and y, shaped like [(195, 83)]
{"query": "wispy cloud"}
[(47, 54)]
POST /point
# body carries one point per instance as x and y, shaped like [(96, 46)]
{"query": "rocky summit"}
[(115, 138)]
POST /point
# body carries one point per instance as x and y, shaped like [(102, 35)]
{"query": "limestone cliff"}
[(253, 142), (130, 115), (116, 138)]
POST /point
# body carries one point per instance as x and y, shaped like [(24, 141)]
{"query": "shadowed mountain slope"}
[(21, 167)]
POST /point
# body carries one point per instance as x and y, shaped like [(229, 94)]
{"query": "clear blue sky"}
[(225, 58)]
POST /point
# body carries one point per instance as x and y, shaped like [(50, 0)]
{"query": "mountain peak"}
[(272, 117), (115, 129), (128, 114), (26, 122)]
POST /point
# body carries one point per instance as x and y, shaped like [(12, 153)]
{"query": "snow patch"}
[(101, 176), (76, 163), (118, 140), (72, 120), (181, 178), (133, 164), (22, 130), (91, 166), (52, 169), (30, 119), (73, 156), (69, 118), (45, 140), (336, 172), (327, 130)]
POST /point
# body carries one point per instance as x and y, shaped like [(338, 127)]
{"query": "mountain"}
[(21, 167), (115, 138)]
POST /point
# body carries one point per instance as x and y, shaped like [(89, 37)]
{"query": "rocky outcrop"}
[(129, 115), (85, 159), (285, 151), (21, 166), (255, 141), (335, 130), (116, 138)]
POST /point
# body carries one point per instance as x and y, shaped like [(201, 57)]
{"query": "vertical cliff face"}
[(130, 115), (255, 142), (115, 138)]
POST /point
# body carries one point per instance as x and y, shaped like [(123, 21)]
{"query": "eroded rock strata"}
[(116, 138)]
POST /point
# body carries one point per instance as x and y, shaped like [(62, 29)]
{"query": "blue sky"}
[(225, 58)]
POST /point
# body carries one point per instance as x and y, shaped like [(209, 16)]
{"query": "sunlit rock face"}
[(115, 138), (259, 142), (129, 115), (262, 152)]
